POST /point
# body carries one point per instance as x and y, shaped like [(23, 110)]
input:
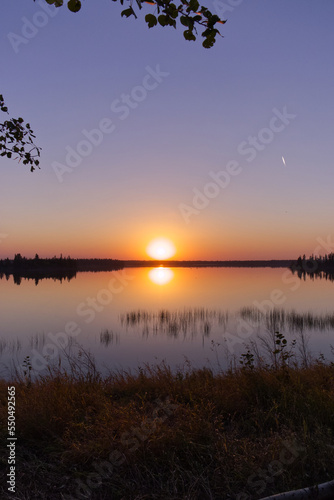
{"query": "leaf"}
[(208, 43), (185, 21), (128, 12), (189, 35), (193, 5), (163, 21), (74, 5), (151, 20), (214, 19), (172, 10)]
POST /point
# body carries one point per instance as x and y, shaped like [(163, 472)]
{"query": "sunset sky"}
[(228, 152)]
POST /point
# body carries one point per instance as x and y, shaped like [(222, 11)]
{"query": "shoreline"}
[(67, 268), (209, 263)]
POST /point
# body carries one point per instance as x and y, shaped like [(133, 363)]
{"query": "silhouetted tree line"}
[(315, 266), (57, 268), (20, 263), (96, 265), (208, 263)]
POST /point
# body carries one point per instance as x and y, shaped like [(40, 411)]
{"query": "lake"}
[(127, 318)]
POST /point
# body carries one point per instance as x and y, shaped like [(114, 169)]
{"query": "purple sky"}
[(195, 152)]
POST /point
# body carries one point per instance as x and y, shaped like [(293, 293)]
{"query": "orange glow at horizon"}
[(161, 249)]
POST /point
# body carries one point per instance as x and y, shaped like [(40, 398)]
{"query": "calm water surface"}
[(136, 316)]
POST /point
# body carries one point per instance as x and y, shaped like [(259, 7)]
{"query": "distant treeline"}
[(57, 268), (96, 265), (209, 263), (60, 268), (315, 267)]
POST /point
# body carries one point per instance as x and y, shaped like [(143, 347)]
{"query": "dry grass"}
[(163, 435)]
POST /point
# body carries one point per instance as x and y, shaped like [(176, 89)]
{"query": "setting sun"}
[(161, 249)]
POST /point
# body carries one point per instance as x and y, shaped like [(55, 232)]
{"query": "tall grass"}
[(175, 323), (190, 434), (279, 319)]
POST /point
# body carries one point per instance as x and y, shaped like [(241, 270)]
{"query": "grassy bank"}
[(240, 435)]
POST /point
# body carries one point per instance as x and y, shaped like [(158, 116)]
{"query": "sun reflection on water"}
[(161, 275)]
